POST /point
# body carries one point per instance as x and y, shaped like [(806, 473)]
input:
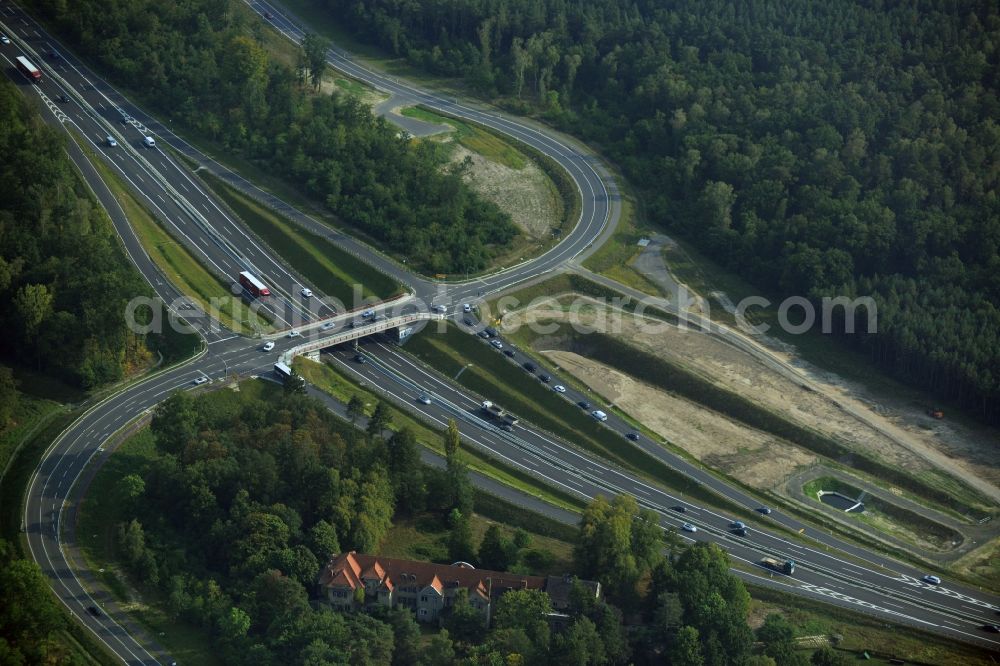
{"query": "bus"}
[(253, 285), (282, 371), (29, 70)]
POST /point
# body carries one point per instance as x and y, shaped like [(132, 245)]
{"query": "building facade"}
[(353, 581)]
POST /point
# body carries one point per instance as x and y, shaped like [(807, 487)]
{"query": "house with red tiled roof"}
[(353, 581)]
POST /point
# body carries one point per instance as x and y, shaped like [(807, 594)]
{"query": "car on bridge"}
[(306, 292), (327, 326), (367, 313), (294, 334)]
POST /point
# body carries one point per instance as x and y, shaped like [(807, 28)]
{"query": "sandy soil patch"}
[(527, 194), (756, 458), (739, 372)]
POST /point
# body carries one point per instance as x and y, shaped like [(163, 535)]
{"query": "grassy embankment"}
[(327, 267), (492, 376), (179, 265), (858, 633), (887, 517), (955, 498), (616, 257), (704, 276), (326, 378), (507, 151)]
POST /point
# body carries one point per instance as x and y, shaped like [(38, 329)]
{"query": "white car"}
[(110, 140), (497, 344), (424, 400), (327, 326), (294, 334), (4, 39), (149, 141), (931, 580), (201, 380), (268, 346), (559, 388), (306, 292), (367, 313), (440, 309), (466, 308), (688, 527)]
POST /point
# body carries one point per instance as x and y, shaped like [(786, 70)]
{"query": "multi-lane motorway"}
[(828, 569)]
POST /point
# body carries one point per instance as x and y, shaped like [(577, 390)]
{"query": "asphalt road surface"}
[(828, 569)]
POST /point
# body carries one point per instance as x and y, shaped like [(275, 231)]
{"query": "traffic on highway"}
[(771, 549)]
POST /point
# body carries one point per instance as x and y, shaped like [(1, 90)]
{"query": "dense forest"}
[(841, 148), (201, 64), (64, 277), (250, 493)]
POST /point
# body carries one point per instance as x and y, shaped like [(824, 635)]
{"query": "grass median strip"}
[(327, 379), (489, 374), (177, 263), (328, 267)]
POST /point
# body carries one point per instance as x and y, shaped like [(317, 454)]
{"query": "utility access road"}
[(96, 110)]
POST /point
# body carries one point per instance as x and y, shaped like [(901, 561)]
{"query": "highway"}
[(846, 575)]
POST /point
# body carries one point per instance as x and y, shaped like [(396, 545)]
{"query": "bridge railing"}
[(357, 332)]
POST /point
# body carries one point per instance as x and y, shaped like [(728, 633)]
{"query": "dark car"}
[(583, 404), (63, 99), (53, 55), (484, 335), (509, 353), (492, 332), (359, 358), (544, 378), (268, 16), (992, 628), (529, 366), (764, 510), (634, 436), (94, 610), (506, 427), (679, 508), (740, 532), (469, 321)]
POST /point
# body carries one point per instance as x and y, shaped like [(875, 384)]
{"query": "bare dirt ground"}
[(757, 458), (966, 449), (526, 194), (739, 372)]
